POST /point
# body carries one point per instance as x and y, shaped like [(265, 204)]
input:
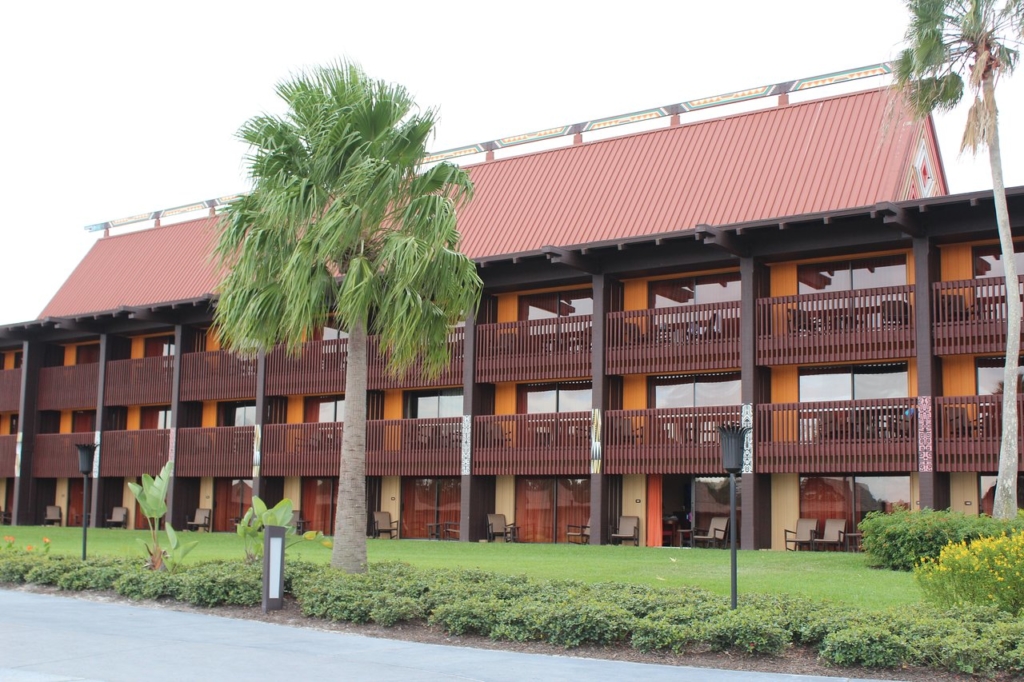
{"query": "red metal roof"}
[(785, 161), (158, 265)]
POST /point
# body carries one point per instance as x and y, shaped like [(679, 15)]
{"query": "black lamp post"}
[(86, 451), (733, 437)]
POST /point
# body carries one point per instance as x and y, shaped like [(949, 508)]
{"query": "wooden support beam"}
[(727, 241), (575, 261), (899, 218)]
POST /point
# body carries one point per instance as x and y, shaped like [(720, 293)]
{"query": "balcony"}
[(968, 432), (133, 453), (683, 338), (837, 437), (836, 326), (68, 388), (10, 390), (319, 369), (224, 451), (55, 455), (556, 444), (534, 350), (666, 441), (378, 362), (302, 449), (8, 451), (144, 381), (969, 316), (414, 447), (217, 375)]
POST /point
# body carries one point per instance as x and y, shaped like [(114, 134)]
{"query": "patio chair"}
[(118, 518), (382, 524), (451, 530), (297, 523), (834, 535), (53, 516), (203, 520), (578, 535), (806, 531), (714, 535), (496, 527), (5, 517), (627, 530)]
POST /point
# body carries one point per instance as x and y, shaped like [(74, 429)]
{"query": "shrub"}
[(985, 571), (221, 582), (96, 574), (899, 540), (749, 630), (146, 585), (867, 645), (395, 608), (476, 615), (16, 565)]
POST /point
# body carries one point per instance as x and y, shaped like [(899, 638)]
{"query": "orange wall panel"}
[(70, 357), (958, 375), (504, 399), (508, 307), (393, 404), (956, 262), (8, 360), (5, 424), (783, 279), (209, 413), (134, 420), (634, 392), (138, 347), (296, 412), (634, 294), (212, 339), (65, 421)]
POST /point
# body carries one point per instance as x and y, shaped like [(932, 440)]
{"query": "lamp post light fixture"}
[(733, 437), (86, 452)]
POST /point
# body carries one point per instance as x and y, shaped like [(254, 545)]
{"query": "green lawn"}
[(833, 575)]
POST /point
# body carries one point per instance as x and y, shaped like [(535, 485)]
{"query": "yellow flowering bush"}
[(983, 571)]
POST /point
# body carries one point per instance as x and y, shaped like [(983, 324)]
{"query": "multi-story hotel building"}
[(800, 269)]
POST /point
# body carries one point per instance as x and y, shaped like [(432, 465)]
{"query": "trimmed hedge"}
[(901, 539), (977, 640)]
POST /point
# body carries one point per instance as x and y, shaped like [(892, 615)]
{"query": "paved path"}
[(55, 639)]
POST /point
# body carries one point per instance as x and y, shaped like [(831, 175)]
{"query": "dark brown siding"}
[(145, 381), (133, 453)]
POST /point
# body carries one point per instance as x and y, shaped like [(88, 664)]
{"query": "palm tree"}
[(340, 225), (950, 42)]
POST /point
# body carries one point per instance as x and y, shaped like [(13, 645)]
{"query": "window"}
[(990, 376), (988, 260), (14, 424), (17, 359), (669, 293), (556, 304), (987, 493), (853, 382), (156, 417), (325, 408), (83, 421), (694, 390), (433, 404), (87, 355), (851, 498), (562, 397), (159, 346), (866, 273), (238, 414)]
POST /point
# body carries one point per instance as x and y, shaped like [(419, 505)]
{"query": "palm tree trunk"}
[(349, 553), (1005, 506)]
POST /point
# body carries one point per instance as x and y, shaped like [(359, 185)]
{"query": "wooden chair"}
[(627, 530), (203, 520), (806, 531), (382, 524), (297, 523), (577, 535), (834, 535), (118, 518), (5, 517), (714, 535), (496, 527), (54, 516)]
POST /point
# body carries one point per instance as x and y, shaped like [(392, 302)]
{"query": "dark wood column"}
[(261, 420), (599, 512), (756, 490), (96, 511), (477, 491), (24, 505), (933, 486), (176, 514)]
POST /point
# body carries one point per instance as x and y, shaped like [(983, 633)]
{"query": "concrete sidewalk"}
[(52, 639)]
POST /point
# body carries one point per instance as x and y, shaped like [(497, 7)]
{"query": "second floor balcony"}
[(312, 449), (318, 369), (217, 375), (379, 376), (836, 326), (969, 432), (555, 444), (696, 337), (142, 381), (133, 453), (840, 436), (535, 350), (68, 388), (8, 451), (424, 448), (225, 451), (10, 390), (55, 455), (666, 441), (969, 316)]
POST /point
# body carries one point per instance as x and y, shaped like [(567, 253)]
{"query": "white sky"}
[(117, 108)]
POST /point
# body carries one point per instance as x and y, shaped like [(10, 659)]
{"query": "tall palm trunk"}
[(349, 553), (1005, 506)]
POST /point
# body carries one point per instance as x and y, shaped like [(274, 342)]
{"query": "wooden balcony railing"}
[(414, 447), (556, 444), (666, 441), (133, 453), (683, 338), (318, 370), (55, 455), (378, 376), (836, 326), (837, 437), (534, 350), (969, 316), (8, 450), (217, 375), (10, 390), (218, 451), (969, 430), (144, 381), (68, 388), (302, 449)]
